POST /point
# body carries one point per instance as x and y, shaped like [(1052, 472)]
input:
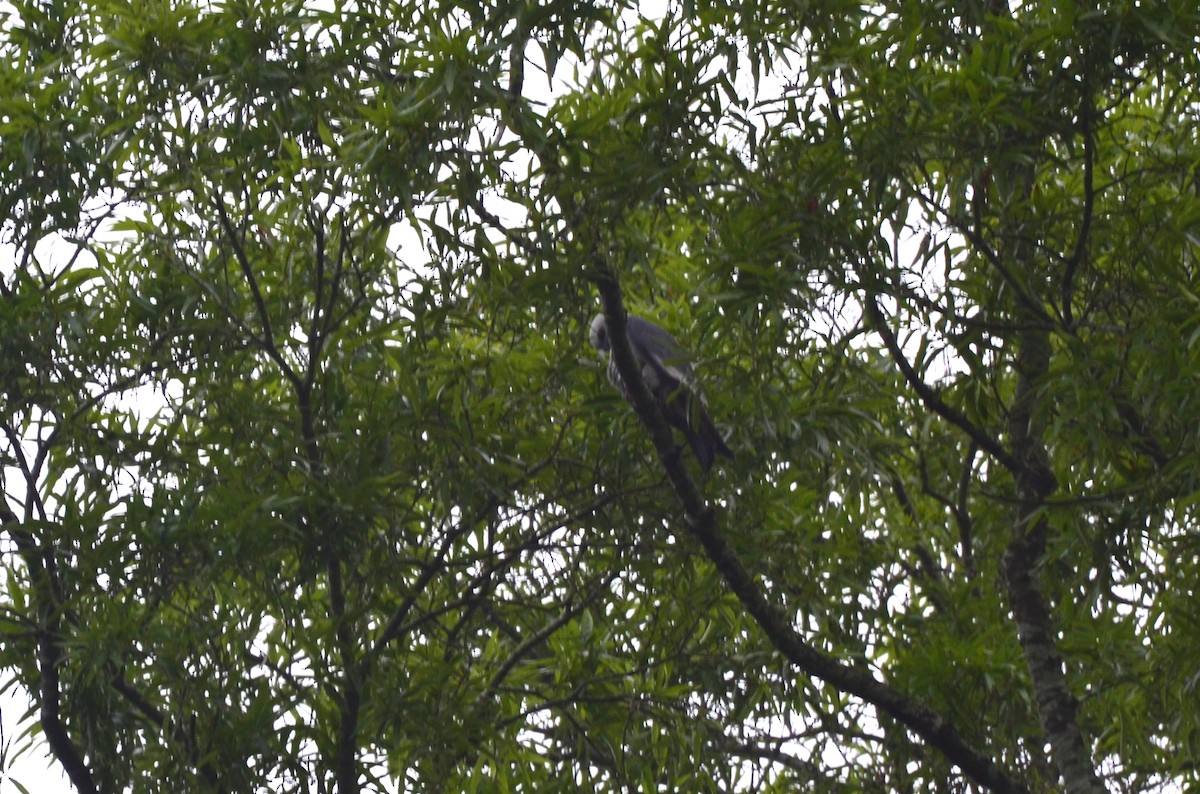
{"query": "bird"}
[(669, 377)]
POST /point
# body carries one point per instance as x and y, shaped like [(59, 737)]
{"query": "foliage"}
[(311, 482)]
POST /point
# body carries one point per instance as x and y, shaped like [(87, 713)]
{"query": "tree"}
[(312, 483)]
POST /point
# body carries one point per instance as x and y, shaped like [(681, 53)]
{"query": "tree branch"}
[(930, 397), (346, 761), (774, 622), (49, 660), (1089, 199), (1056, 705), (61, 744), (260, 305), (540, 636)]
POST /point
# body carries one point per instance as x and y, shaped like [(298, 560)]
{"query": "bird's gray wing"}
[(669, 376), (657, 350)]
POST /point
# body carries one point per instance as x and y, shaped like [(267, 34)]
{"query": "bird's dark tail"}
[(686, 412), (707, 443)]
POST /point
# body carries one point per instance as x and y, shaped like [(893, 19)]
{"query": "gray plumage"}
[(669, 376)]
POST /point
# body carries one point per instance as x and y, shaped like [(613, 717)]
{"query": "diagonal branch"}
[(930, 397), (260, 304), (530, 643), (774, 622)]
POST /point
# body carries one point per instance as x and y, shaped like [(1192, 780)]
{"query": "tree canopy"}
[(312, 483)]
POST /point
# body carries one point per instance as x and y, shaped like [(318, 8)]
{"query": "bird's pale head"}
[(599, 334)]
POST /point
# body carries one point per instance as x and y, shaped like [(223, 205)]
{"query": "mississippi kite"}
[(668, 375)]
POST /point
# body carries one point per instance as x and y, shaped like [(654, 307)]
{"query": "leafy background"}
[(312, 483)]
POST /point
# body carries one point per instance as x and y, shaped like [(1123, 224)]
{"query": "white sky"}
[(35, 769)]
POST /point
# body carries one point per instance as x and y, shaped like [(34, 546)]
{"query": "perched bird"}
[(669, 376)]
